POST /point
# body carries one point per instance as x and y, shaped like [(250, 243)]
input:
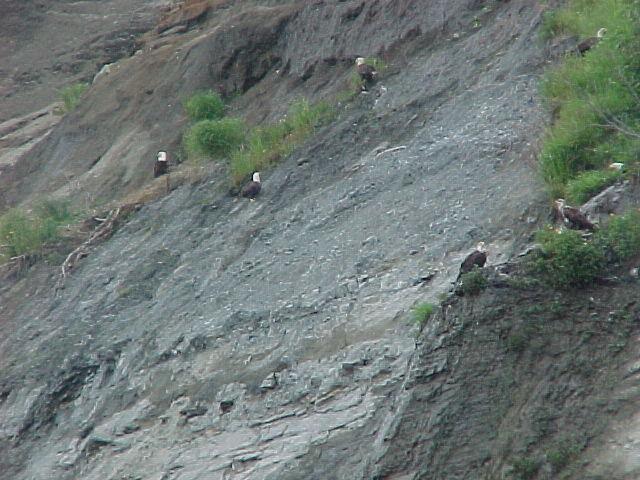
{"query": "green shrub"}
[(524, 468), (204, 106), (23, 233), (71, 95), (517, 342), (592, 95), (267, 145), (565, 259), (621, 238), (56, 210), (554, 23), (18, 234), (215, 138), (561, 455), (423, 312), (473, 282), (590, 183)]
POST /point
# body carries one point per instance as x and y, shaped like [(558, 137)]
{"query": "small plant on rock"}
[(215, 138), (71, 95), (517, 342), (562, 455), (590, 183), (422, 312), (204, 106), (268, 144), (473, 282), (621, 238), (566, 259), (26, 233), (524, 468)]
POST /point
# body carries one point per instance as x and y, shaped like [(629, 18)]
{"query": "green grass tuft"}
[(215, 138), (524, 468), (565, 259), (204, 106), (595, 97), (473, 282), (422, 312), (621, 239), (562, 455), (590, 183), (268, 144), (71, 95), (23, 233)]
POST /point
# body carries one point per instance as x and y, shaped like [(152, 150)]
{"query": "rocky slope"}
[(215, 338)]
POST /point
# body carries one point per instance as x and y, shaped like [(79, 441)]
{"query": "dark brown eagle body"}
[(573, 218), (587, 44), (161, 167), (477, 258), (252, 189), (366, 72)]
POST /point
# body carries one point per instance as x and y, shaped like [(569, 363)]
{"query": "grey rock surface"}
[(213, 338)]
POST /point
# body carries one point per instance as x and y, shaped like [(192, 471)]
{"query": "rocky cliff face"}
[(215, 338)]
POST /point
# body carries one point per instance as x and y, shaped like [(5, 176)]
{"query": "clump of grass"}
[(25, 233), (473, 282), (621, 239), (590, 183), (268, 144), (517, 342), (215, 138), (562, 455), (71, 95), (554, 23), (422, 313), (594, 97), (58, 211), (204, 106), (524, 468), (565, 259)]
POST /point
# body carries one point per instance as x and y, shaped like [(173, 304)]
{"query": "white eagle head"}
[(256, 177), (601, 32), (360, 61), (560, 203), (481, 247), (162, 156), (618, 166)]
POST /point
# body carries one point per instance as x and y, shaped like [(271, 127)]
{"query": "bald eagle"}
[(366, 72), (586, 45), (572, 217), (161, 166), (477, 258), (252, 189)]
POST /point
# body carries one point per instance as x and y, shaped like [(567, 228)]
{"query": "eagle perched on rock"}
[(161, 166), (572, 217), (252, 189), (477, 258), (366, 72)]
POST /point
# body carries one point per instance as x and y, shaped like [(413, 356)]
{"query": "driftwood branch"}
[(389, 150), (102, 232)]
